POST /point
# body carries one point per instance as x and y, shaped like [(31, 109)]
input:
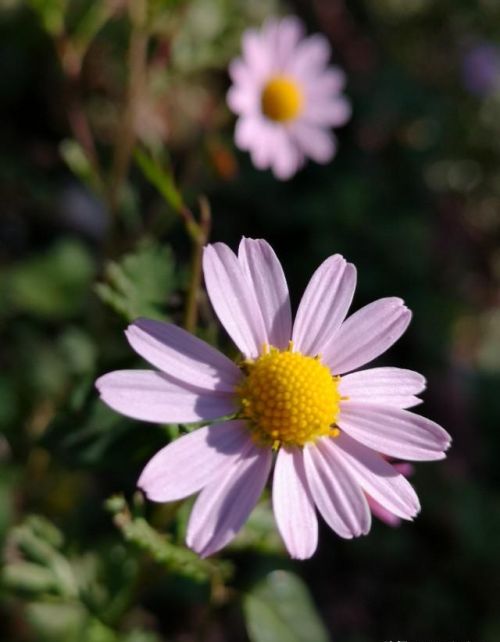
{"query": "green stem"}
[(199, 239), (125, 135)]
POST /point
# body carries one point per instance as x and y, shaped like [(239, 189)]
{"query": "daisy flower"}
[(292, 398), (286, 97)]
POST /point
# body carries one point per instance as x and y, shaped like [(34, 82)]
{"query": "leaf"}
[(280, 609), (161, 179), (51, 13), (140, 283), (45, 568), (53, 284), (56, 622), (176, 558), (94, 438), (76, 159)]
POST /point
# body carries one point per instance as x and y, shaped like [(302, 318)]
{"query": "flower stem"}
[(125, 133), (199, 239)]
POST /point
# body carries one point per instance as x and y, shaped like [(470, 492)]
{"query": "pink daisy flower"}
[(286, 97), (293, 397)]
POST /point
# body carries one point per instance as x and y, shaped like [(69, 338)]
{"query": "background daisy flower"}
[(286, 97), (294, 395)]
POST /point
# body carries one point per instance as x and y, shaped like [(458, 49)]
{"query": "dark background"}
[(412, 198)]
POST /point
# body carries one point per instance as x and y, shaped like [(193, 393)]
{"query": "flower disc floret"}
[(282, 99), (289, 398)]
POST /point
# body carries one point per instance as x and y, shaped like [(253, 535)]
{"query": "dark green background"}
[(412, 198)]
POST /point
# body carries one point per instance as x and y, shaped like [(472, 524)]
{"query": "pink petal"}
[(394, 432), (286, 158), (256, 53), (263, 143), (327, 112), (404, 468), (366, 334), (244, 99), (293, 506), (311, 55), (265, 275), (315, 142), (248, 130), (382, 513), (324, 305), (290, 33), (223, 506), (154, 396), (327, 83), (377, 477), (243, 76), (182, 355), (233, 301), (387, 386), (335, 492), (193, 461)]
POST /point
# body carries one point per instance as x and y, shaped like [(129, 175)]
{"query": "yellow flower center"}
[(282, 99), (289, 398)]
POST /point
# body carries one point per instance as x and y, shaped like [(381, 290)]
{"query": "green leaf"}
[(76, 159), (139, 284), (160, 178), (176, 558), (280, 609), (45, 568), (53, 284), (51, 13), (63, 622)]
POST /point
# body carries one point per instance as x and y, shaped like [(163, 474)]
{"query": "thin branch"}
[(125, 134), (199, 240)]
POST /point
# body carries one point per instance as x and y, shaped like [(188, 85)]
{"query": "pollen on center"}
[(289, 398), (282, 99)]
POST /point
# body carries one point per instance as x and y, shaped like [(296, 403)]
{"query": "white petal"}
[(191, 462), (324, 305), (265, 275), (182, 355), (377, 477), (233, 301), (223, 507), (366, 334), (335, 492), (394, 432), (293, 506), (154, 396), (388, 386)]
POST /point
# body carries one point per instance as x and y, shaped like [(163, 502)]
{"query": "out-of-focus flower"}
[(286, 97), (291, 395), (481, 69)]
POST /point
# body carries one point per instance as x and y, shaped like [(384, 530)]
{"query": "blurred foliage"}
[(279, 609), (140, 283), (114, 123), (51, 284)]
